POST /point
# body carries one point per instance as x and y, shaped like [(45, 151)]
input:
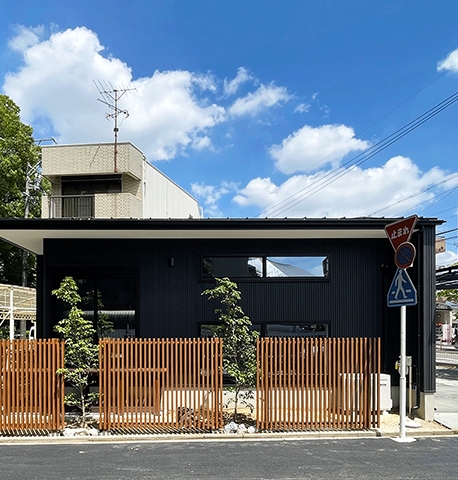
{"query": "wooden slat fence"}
[(149, 385), (318, 383), (31, 393)]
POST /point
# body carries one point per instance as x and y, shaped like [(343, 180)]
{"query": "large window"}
[(91, 184), (273, 330), (110, 303), (312, 267), (298, 330), (237, 267)]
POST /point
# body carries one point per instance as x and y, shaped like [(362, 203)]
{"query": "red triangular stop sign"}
[(401, 231)]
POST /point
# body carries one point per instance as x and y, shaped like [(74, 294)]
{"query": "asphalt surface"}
[(375, 458)]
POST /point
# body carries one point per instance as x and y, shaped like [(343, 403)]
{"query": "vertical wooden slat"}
[(30, 396), (101, 387), (377, 384), (149, 380), (282, 347), (165, 348), (320, 382), (120, 397), (361, 375)]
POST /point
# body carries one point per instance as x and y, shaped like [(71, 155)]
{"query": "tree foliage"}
[(18, 154), (449, 296), (81, 353), (239, 342)]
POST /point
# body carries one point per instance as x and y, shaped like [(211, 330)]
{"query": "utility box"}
[(386, 404)]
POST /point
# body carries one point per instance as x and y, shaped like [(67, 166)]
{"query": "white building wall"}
[(164, 198)]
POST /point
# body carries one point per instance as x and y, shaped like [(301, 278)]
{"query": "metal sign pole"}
[(402, 371), (402, 293)]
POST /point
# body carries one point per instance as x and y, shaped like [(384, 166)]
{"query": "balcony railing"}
[(71, 206), (99, 205)]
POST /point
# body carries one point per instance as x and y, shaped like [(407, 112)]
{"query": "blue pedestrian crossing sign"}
[(402, 292)]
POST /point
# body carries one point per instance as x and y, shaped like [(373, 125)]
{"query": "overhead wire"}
[(359, 159), (321, 161), (438, 199), (421, 192)]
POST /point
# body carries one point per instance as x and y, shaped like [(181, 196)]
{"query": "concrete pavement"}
[(446, 398)]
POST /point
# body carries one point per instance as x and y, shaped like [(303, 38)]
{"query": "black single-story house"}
[(298, 277)]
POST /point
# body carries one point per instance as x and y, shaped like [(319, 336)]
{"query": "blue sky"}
[(254, 106)]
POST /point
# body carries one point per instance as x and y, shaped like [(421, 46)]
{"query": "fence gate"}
[(318, 383), (149, 385), (31, 393)]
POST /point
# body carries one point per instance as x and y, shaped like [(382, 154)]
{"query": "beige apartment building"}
[(87, 181)]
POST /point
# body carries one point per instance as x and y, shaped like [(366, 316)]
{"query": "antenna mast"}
[(110, 97)]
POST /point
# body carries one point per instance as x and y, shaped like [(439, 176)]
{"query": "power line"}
[(438, 199), (421, 192), (385, 116), (447, 231), (359, 159)]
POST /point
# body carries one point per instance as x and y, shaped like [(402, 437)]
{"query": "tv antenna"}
[(110, 97)]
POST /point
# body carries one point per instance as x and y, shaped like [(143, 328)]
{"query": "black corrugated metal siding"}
[(170, 302), (352, 301)]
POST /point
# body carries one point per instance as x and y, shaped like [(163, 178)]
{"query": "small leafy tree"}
[(239, 342), (81, 353)]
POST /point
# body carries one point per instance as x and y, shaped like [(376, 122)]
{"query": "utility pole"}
[(35, 171), (110, 97)]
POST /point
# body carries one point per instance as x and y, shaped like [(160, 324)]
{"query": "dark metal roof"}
[(31, 233), (203, 223), (447, 278)]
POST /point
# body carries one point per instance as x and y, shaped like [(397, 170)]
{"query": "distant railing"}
[(71, 206)]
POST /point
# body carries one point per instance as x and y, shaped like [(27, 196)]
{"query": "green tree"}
[(19, 161), (239, 342), (449, 296), (81, 353)]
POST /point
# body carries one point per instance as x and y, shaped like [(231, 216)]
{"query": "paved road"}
[(374, 458)]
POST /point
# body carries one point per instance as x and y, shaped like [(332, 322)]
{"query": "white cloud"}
[(211, 194), (55, 90), (231, 86), (309, 147), (266, 96), (358, 193), (449, 63), (446, 258), (302, 107), (201, 143), (26, 37)]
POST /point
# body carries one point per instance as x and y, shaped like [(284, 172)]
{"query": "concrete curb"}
[(219, 437)]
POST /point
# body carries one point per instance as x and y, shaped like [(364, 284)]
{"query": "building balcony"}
[(100, 205)]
